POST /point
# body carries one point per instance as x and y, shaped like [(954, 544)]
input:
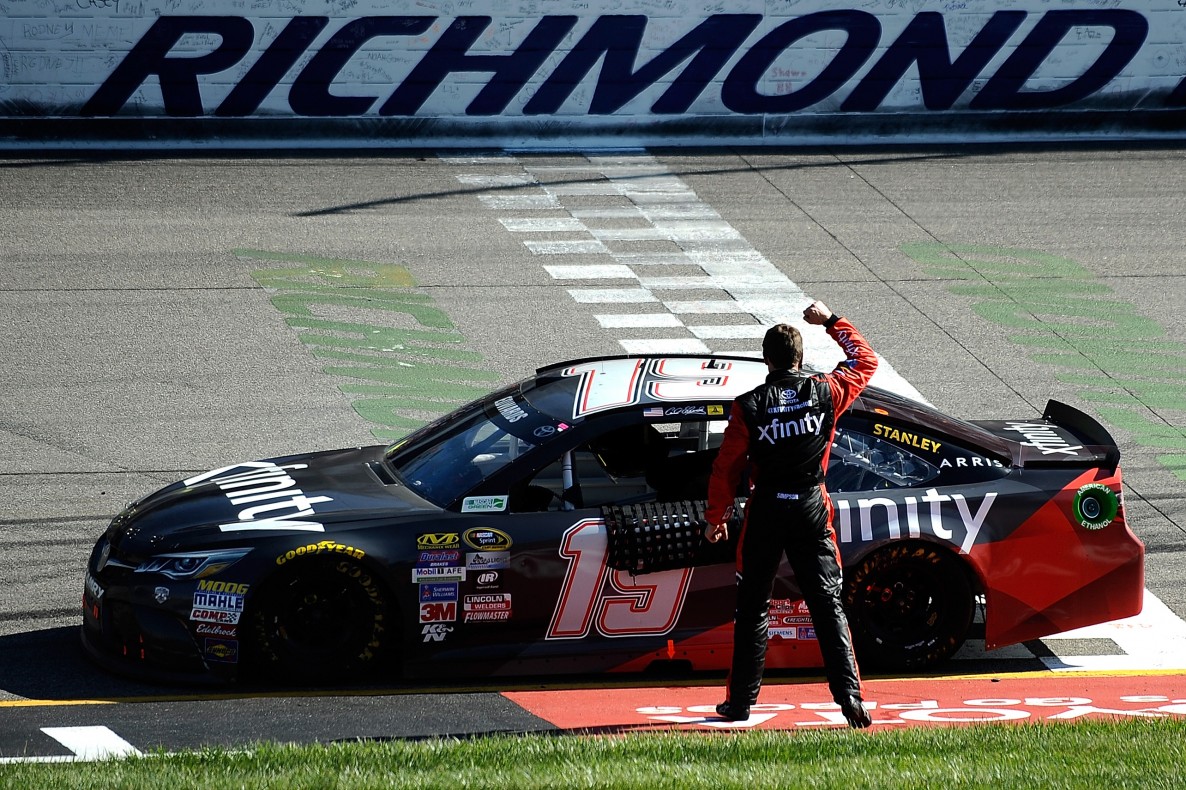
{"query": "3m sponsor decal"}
[(438, 591), (438, 612), (240, 588), (438, 575), (223, 650), (493, 602), (436, 632), (484, 504), (930, 513), (321, 547), (438, 540), (439, 558), (269, 490), (215, 629), (907, 438), (485, 539), (487, 560)]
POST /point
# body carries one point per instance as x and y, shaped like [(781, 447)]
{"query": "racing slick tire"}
[(909, 606), (320, 621)]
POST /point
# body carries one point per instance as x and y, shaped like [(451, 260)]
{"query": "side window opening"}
[(640, 462)]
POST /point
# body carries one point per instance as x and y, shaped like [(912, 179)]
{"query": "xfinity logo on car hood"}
[(274, 502)]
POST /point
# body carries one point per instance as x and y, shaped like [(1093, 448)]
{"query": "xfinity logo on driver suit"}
[(1043, 438), (780, 429), (269, 485)]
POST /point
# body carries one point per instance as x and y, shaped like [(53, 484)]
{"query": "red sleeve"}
[(852, 375), (728, 467)]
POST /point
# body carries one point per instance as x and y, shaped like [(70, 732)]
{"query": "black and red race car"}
[(556, 526)]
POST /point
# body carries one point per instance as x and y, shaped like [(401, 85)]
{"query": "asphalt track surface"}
[(140, 345)]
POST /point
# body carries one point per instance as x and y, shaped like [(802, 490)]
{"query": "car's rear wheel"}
[(320, 621), (909, 606)]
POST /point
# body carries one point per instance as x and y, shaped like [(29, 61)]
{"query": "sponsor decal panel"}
[(441, 591), (438, 540), (422, 575), (484, 504), (439, 558), (436, 632), (487, 560), (438, 611), (486, 539), (223, 650)]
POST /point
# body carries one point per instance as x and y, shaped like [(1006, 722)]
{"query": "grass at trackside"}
[(1134, 753)]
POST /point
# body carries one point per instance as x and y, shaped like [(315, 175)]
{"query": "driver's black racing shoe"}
[(732, 712), (854, 711)]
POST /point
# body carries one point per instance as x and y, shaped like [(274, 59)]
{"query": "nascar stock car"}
[(556, 526)]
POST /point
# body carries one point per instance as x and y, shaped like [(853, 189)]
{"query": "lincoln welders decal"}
[(638, 58)]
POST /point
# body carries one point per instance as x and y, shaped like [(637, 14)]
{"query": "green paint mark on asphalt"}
[(1058, 306), (367, 318)]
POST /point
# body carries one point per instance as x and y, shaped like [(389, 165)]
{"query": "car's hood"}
[(314, 493)]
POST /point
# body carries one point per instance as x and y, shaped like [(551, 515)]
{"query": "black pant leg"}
[(812, 551), (759, 554)]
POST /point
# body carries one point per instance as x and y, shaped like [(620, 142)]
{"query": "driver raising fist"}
[(783, 431)]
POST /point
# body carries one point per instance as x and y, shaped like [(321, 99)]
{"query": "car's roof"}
[(576, 389)]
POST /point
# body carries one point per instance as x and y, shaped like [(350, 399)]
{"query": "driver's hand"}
[(715, 532)]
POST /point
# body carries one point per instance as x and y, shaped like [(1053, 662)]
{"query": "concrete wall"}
[(579, 72)]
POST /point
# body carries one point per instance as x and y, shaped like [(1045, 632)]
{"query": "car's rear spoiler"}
[(1090, 432)]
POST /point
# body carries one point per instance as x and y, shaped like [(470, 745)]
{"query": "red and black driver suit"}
[(783, 430)]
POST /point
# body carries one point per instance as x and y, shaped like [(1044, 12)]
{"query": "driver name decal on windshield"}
[(267, 488)]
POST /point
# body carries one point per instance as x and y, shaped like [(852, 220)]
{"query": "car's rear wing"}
[(1064, 435), (1094, 435)]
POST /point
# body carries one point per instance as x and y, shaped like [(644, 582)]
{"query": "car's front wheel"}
[(320, 621), (909, 606)]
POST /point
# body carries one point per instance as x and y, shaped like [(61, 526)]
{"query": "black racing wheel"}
[(909, 606), (320, 620)]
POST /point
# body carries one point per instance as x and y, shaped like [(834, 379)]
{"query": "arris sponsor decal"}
[(273, 488), (485, 539)]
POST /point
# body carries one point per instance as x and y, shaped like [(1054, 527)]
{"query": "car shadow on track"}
[(50, 665)]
